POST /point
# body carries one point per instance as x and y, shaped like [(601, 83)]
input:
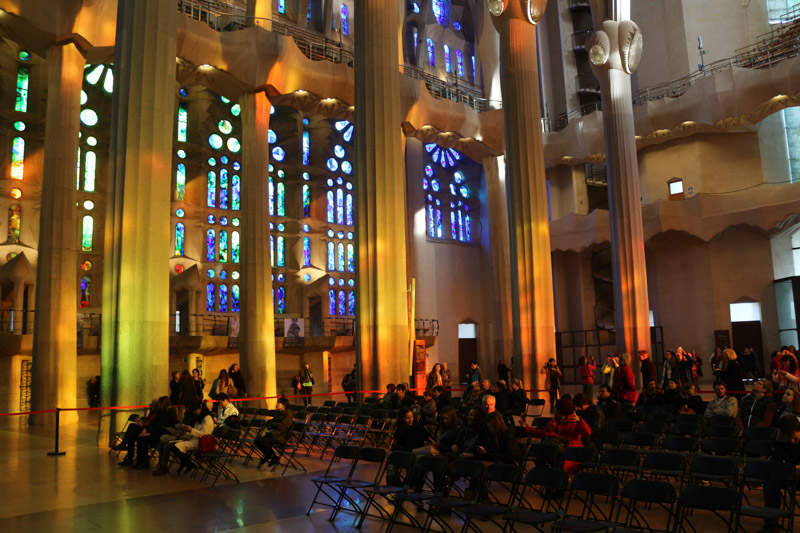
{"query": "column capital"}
[(615, 46), (530, 11)]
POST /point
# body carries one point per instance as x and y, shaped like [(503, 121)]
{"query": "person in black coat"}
[(732, 375), (174, 388), (410, 434), (278, 431), (238, 381)]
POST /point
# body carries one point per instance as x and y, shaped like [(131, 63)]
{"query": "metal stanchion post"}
[(58, 425)]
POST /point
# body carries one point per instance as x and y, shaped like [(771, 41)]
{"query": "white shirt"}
[(225, 412)]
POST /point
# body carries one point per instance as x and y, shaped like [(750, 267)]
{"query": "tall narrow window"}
[(345, 19), (331, 256), (21, 103), (234, 246), (272, 250), (447, 66), (223, 298), (271, 200), (89, 171), (306, 148), (306, 200), (431, 230), (179, 238), (236, 192), (453, 227), (211, 245), (342, 308), (183, 121), (86, 294), (180, 181), (330, 217), (17, 158), (210, 297), (235, 298), (474, 72), (282, 6), (351, 303), (281, 247), (14, 222), (306, 251), (223, 189), (332, 302), (431, 52), (340, 257), (439, 232), (281, 208), (351, 258), (414, 39), (87, 233), (223, 246), (211, 196), (281, 300), (78, 172), (467, 227), (460, 63), (349, 209), (339, 206)]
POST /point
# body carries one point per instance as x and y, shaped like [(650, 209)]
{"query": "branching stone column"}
[(531, 269), (257, 333), (382, 336), (135, 341), (615, 50), (55, 348)]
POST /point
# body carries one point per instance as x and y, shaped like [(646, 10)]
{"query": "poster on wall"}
[(293, 331)]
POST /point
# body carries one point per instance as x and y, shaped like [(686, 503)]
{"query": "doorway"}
[(315, 325), (746, 328), (467, 350)]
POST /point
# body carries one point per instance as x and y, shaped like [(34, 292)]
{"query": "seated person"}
[(410, 434), (279, 429), (588, 411), (787, 449), (387, 397), (500, 392), (789, 404), (650, 396), (722, 404), (670, 393), (471, 436), (758, 407), (446, 430), (502, 444), (428, 408), (565, 425), (442, 397), (689, 402), (611, 408), (188, 439), (226, 409), (128, 441), (517, 398), (402, 397), (166, 417), (489, 403)]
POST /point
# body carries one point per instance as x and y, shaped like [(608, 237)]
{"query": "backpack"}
[(207, 444)]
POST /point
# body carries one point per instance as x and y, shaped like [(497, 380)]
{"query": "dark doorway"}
[(467, 352), (182, 308), (315, 326), (748, 334)]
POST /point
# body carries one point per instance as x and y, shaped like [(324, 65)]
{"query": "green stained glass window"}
[(87, 233), (183, 121), (89, 171), (281, 208), (235, 246), (14, 222), (94, 76), (235, 193), (22, 90), (17, 158), (180, 182), (179, 238), (223, 246)]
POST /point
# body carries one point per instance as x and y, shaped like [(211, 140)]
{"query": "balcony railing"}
[(453, 89)]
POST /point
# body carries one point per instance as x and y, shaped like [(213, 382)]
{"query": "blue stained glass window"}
[(341, 125), (282, 6), (236, 192), (210, 297), (453, 231), (281, 300), (86, 296), (180, 182), (306, 200), (223, 246), (439, 231), (460, 63), (345, 20), (467, 228), (271, 199), (330, 217), (179, 238), (271, 137), (281, 207), (281, 251), (342, 303), (332, 302), (215, 141), (351, 303), (211, 245), (447, 66), (339, 206), (235, 246), (349, 209), (460, 225), (338, 151), (333, 165), (306, 251), (331, 256), (351, 258), (223, 298), (456, 25), (431, 231), (235, 298), (278, 153), (347, 168), (306, 148), (441, 10), (474, 72), (272, 250), (340, 257), (223, 189), (431, 52), (211, 200)]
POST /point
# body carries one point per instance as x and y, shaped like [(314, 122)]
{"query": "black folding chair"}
[(759, 433), (594, 495), (722, 502), (658, 466), (585, 457), (543, 454), (401, 464), (638, 494), (286, 453), (721, 431), (472, 472), (328, 479), (548, 485), (425, 466), (620, 462), (780, 482), (506, 475), (721, 446), (714, 469), (642, 441), (368, 456)]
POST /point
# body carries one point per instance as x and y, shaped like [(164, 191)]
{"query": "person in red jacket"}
[(587, 368), (566, 425), (624, 382)]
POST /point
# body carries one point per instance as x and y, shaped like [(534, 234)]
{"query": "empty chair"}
[(653, 426), (652, 494), (400, 463), (759, 433), (719, 420), (470, 471), (583, 458), (685, 429), (620, 462), (714, 468), (543, 454), (622, 426), (604, 438), (509, 477), (721, 431), (780, 486), (721, 446), (689, 418), (759, 449), (548, 486), (720, 501), (344, 456), (366, 456), (641, 440), (677, 443), (664, 465), (590, 503), (426, 466), (660, 416)]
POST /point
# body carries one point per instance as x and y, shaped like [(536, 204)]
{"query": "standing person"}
[(609, 368), (504, 372), (624, 382), (93, 391), (552, 380), (647, 368), (222, 385), (238, 382), (434, 377), (685, 366), (306, 383), (474, 373), (587, 368), (666, 370), (748, 364), (447, 380), (188, 394), (732, 376), (174, 389), (716, 364), (199, 384), (698, 365), (349, 387)]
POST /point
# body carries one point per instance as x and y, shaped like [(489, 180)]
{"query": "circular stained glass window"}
[(331, 281), (91, 141), (236, 110), (281, 278), (305, 121), (11, 255), (429, 171), (236, 165), (235, 222), (453, 205), (281, 173), (464, 190), (223, 221), (349, 186), (88, 205), (211, 219), (453, 189), (330, 182), (430, 197), (215, 141), (86, 266), (341, 282), (351, 282), (272, 110), (438, 202), (340, 234), (233, 145), (306, 228), (435, 185), (224, 159), (15, 193), (347, 168), (223, 274), (338, 150), (24, 55), (89, 117), (179, 269), (84, 98), (20, 126), (307, 277), (270, 167), (180, 212), (278, 153), (183, 92), (458, 177), (333, 165), (235, 274), (271, 137), (425, 184), (281, 227), (339, 181), (210, 273), (331, 233), (271, 226), (212, 161), (306, 176), (182, 154), (225, 127), (349, 234)]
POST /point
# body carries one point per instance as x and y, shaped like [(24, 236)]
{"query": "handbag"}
[(233, 392), (207, 444)]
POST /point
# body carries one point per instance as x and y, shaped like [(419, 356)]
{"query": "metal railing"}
[(14, 321), (587, 83), (455, 90), (561, 121), (319, 327), (426, 327)]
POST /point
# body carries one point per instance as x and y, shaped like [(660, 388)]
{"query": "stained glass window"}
[(271, 200), (340, 257), (351, 303), (281, 209), (22, 90), (306, 200), (431, 52), (210, 297), (441, 10), (211, 245), (349, 209), (439, 231), (351, 259), (460, 225), (331, 256), (447, 66), (236, 192), (87, 233), (306, 251), (272, 250), (474, 72), (86, 295), (460, 63), (281, 251), (179, 238), (89, 117), (467, 228), (339, 206), (78, 171), (332, 302), (235, 298), (183, 121), (223, 246), (342, 303), (345, 20), (306, 148), (234, 246), (330, 207), (89, 171), (14, 222), (180, 182), (223, 189), (223, 298), (431, 231), (281, 300), (282, 6), (211, 200), (17, 158), (453, 229)]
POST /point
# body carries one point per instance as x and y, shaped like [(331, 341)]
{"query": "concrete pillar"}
[(257, 333), (526, 185), (383, 349), (135, 327), (54, 372), (615, 49)]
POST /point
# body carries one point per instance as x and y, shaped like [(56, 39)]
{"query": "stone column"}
[(526, 185), (382, 338), (54, 373), (615, 50), (135, 329), (257, 330)]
